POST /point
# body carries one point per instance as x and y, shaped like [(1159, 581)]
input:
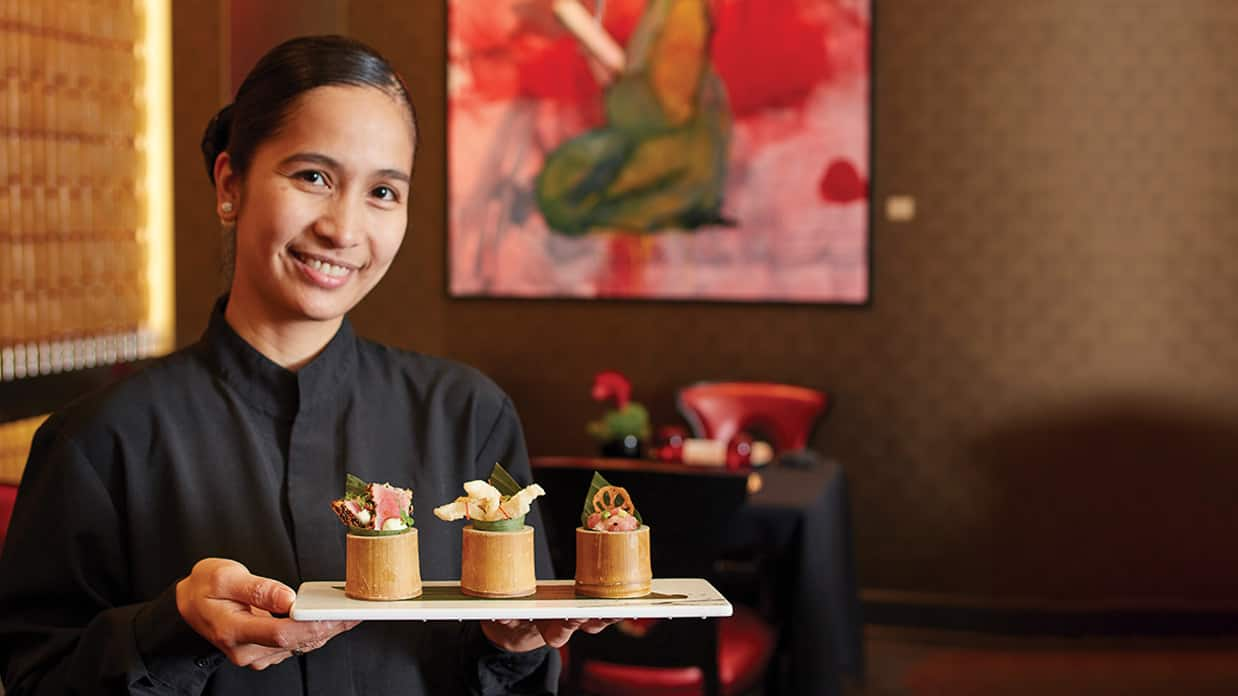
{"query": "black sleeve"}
[(497, 671), (67, 623)]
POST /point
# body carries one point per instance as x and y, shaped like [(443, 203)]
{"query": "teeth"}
[(326, 268)]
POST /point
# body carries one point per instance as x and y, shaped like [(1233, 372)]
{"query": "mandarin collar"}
[(267, 386)]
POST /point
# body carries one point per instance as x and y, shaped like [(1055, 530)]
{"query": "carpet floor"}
[(917, 662)]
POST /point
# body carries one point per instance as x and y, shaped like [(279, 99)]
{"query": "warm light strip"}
[(160, 269), (15, 439)]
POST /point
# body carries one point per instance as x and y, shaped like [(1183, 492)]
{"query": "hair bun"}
[(215, 139)]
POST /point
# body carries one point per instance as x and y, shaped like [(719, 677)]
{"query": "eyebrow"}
[(325, 161)]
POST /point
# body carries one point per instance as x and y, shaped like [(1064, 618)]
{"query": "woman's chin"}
[(316, 305), (326, 311)]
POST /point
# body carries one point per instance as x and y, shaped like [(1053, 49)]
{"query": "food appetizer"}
[(497, 551), (612, 545), (382, 558)]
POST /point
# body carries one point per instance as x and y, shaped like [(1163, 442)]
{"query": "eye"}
[(385, 193), (312, 177)]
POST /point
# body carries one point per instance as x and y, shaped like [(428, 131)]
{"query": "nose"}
[(339, 225)]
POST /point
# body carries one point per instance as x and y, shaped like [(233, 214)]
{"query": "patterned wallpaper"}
[(1040, 401), (1059, 365)]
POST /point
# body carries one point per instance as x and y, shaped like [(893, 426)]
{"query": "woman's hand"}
[(515, 635), (232, 608)]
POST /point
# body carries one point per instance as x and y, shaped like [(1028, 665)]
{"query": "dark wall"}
[(1040, 401), (199, 89)]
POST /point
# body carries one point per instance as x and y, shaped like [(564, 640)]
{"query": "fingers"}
[(513, 635), (292, 637), (221, 578), (233, 609), (556, 632), (262, 593), (274, 658), (259, 658), (256, 656), (518, 635), (284, 634), (596, 625)]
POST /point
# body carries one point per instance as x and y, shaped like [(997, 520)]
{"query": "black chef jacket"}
[(217, 451)]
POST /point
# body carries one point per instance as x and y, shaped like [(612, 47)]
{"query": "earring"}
[(225, 207)]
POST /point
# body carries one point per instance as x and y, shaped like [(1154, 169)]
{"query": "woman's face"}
[(322, 210)]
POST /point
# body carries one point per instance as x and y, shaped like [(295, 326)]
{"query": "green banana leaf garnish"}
[(503, 481), (358, 531), (354, 487), (515, 524)]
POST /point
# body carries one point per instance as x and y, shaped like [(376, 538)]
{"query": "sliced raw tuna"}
[(389, 502)]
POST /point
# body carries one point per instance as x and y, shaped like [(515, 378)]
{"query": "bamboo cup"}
[(613, 564), (383, 567), (498, 564)]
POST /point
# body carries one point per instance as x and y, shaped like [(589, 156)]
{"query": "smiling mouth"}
[(326, 267)]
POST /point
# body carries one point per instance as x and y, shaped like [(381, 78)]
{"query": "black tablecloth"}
[(801, 517), (800, 522)]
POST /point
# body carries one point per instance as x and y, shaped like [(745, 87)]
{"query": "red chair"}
[(741, 646), (785, 416), (8, 496), (783, 413)]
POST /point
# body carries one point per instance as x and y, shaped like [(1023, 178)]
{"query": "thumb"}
[(264, 593)]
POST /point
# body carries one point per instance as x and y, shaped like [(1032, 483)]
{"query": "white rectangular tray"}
[(555, 599)]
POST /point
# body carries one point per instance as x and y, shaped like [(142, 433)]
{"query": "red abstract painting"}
[(660, 149)]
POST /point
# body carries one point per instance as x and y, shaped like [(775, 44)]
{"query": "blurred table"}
[(800, 517)]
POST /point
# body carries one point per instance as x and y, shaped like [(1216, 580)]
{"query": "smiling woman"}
[(192, 497), (311, 167)]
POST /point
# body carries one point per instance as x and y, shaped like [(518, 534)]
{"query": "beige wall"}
[(1039, 402)]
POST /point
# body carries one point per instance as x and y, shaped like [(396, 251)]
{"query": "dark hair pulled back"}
[(271, 89)]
